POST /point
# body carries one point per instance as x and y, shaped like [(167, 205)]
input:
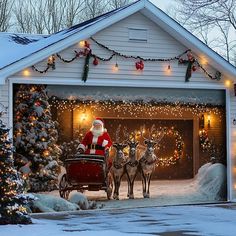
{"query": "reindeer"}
[(131, 167), (147, 162), (118, 167)]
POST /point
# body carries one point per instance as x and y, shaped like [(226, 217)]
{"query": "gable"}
[(159, 44)]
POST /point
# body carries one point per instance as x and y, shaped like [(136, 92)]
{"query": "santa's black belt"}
[(96, 147)]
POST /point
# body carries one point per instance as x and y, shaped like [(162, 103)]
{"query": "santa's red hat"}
[(98, 120)]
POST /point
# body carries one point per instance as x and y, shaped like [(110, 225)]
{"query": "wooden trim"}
[(118, 83), (228, 148)]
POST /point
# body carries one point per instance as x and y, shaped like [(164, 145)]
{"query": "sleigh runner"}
[(86, 172)]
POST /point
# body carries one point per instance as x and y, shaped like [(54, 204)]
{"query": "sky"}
[(163, 4)]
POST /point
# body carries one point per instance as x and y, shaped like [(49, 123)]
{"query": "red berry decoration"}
[(95, 61), (86, 44), (137, 65), (190, 56), (141, 65), (194, 68)]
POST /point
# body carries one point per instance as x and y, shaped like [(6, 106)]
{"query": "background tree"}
[(218, 15), (12, 199), (5, 14), (35, 137)]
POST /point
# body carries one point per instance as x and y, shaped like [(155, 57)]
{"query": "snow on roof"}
[(14, 47)]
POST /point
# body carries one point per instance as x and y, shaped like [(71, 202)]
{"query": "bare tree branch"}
[(5, 14)]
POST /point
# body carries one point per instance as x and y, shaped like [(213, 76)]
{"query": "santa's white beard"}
[(97, 132)]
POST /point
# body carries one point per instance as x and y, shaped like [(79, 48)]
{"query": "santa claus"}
[(97, 141)]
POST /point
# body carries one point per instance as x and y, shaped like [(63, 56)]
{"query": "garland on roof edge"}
[(191, 62)]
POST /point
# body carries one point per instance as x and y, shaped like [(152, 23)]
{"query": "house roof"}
[(20, 51)]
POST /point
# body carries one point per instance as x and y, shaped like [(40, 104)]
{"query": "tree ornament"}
[(95, 61), (194, 68), (141, 65), (137, 65), (37, 103)]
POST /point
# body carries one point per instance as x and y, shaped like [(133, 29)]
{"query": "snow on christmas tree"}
[(12, 199), (35, 137)]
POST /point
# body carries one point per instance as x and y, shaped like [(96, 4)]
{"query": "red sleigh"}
[(86, 172)]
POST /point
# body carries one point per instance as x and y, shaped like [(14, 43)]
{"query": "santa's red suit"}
[(94, 143)]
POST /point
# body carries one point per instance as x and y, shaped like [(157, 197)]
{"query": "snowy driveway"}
[(164, 221)]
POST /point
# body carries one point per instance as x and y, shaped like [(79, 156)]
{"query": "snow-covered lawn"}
[(208, 186), (177, 220), (139, 216)]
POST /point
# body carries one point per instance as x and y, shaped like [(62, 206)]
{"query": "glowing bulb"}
[(227, 83), (26, 72), (82, 44)]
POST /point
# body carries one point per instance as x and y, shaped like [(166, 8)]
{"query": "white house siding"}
[(232, 128), (159, 45), (4, 102)]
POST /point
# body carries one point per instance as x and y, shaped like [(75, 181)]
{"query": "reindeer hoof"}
[(116, 197), (131, 197)]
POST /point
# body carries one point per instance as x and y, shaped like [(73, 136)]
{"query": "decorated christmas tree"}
[(35, 137), (12, 199)]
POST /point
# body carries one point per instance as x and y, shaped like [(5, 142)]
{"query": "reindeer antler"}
[(117, 137), (126, 134)]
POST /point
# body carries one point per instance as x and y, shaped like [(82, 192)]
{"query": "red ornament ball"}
[(141, 65), (37, 104), (95, 61), (194, 68), (137, 65)]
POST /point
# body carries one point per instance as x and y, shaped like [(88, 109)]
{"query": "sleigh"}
[(86, 172)]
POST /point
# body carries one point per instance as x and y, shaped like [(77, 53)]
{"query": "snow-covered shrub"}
[(212, 181), (49, 203), (79, 199)]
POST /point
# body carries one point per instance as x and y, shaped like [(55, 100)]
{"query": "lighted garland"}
[(192, 63), (134, 108), (178, 152)]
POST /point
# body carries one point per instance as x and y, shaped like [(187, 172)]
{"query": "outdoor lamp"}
[(209, 120), (201, 122)]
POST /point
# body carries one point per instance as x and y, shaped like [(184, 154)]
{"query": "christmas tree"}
[(35, 137), (12, 199)]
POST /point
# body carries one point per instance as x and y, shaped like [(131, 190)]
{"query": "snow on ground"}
[(208, 186), (140, 217), (172, 220)]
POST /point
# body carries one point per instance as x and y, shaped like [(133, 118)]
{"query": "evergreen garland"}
[(86, 67)]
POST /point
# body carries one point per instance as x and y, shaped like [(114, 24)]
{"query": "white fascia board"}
[(71, 40), (189, 40), (148, 83)]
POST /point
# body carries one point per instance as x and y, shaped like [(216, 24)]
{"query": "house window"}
[(138, 34)]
